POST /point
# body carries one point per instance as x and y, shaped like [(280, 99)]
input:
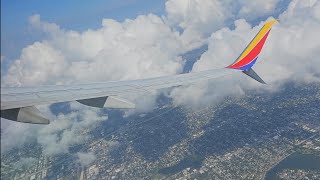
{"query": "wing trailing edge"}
[(32, 115)]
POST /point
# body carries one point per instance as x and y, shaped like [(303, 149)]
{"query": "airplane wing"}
[(18, 103)]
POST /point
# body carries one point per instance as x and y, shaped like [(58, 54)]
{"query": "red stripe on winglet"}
[(252, 55)]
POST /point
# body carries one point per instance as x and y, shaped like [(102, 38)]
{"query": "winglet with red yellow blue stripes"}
[(250, 55)]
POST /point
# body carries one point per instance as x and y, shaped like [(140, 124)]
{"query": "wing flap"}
[(94, 102), (118, 103), (107, 102), (29, 114)]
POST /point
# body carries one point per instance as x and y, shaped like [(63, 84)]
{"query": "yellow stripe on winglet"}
[(256, 39)]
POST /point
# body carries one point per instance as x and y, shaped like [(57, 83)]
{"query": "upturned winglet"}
[(250, 54)]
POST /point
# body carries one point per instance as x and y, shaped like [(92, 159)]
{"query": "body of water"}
[(295, 161)]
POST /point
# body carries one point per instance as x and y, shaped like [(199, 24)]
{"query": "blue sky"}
[(72, 14)]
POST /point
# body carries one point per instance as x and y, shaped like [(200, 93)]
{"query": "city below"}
[(257, 136)]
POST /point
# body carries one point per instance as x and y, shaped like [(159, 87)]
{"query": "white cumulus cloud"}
[(64, 131), (137, 48), (290, 54), (86, 158), (199, 18)]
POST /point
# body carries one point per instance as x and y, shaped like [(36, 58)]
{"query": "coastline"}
[(275, 164)]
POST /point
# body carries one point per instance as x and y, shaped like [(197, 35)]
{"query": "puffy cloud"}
[(65, 130), (289, 55), (133, 49), (198, 19), (85, 158), (46, 27), (68, 130), (137, 48), (39, 63), (253, 9)]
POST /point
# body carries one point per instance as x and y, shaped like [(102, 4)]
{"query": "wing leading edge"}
[(18, 104)]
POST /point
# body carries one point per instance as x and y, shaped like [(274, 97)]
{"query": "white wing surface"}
[(18, 103)]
